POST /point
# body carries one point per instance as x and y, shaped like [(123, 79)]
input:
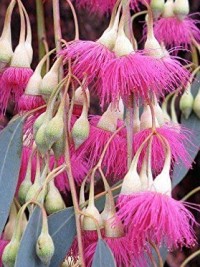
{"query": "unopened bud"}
[(157, 7), (50, 80), (131, 183), (10, 253), (40, 139), (186, 102), (59, 147), (196, 105), (23, 191), (38, 123), (81, 130), (54, 130), (45, 248), (79, 97), (181, 8), (53, 201), (33, 190)]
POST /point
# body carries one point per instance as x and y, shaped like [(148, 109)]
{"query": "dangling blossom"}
[(152, 215), (15, 78), (176, 29), (89, 57), (102, 128)]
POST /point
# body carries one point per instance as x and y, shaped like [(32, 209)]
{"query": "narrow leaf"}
[(103, 256), (62, 228), (27, 252), (10, 157)]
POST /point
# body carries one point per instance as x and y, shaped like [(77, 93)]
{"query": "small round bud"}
[(157, 7), (181, 8), (54, 130), (79, 97), (23, 191), (6, 51), (40, 139), (196, 105), (59, 147), (38, 123), (45, 248), (123, 46), (10, 253), (32, 191), (131, 183), (81, 130), (186, 103), (53, 201)]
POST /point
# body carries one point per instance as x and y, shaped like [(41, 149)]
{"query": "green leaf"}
[(27, 252), (10, 157), (180, 170), (103, 256), (62, 228)]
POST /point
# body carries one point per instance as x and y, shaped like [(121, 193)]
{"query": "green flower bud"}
[(40, 139), (157, 7), (186, 102), (45, 248), (181, 8), (196, 105), (32, 191), (81, 130), (38, 123), (59, 147), (50, 80), (20, 57), (53, 201), (10, 253), (54, 130), (23, 191)]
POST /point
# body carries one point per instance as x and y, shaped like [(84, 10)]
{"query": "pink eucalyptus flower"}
[(99, 6), (114, 160), (29, 102), (177, 138), (88, 58), (175, 33), (79, 171), (13, 83), (141, 75), (158, 218)]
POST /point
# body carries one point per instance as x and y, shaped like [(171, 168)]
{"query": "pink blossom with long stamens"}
[(88, 58), (177, 138), (177, 33), (30, 102), (114, 160), (13, 83), (99, 6), (158, 218)]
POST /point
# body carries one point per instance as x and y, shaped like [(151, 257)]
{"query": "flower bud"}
[(123, 46), (11, 224), (79, 97), (157, 7), (10, 253), (114, 227), (81, 130), (40, 139), (38, 123), (168, 9), (33, 85), (53, 201), (45, 248), (51, 78), (88, 223), (59, 147), (108, 120), (33, 190), (181, 8), (196, 105), (54, 129), (186, 102), (23, 191)]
